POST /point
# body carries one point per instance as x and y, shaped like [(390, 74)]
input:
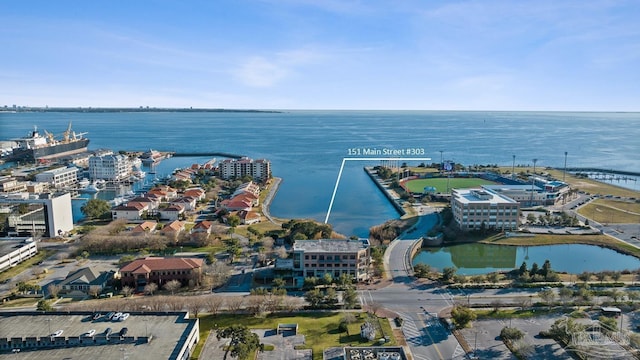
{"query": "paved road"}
[(415, 302)]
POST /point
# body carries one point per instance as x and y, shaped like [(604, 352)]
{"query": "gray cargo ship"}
[(36, 147)]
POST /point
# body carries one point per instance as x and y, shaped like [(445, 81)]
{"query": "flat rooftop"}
[(475, 196), (329, 245), (168, 331)]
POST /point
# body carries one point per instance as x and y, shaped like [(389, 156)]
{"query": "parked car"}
[(89, 333), (96, 316), (107, 332), (124, 317), (57, 333), (123, 331), (110, 315)]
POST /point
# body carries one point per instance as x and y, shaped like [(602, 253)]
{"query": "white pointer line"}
[(335, 189)]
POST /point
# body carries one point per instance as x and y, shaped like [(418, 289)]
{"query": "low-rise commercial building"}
[(46, 214), (15, 250), (314, 258), (149, 335), (59, 177), (475, 209)]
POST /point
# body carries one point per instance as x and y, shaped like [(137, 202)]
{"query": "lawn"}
[(320, 328), (611, 211), (418, 185), (16, 270)]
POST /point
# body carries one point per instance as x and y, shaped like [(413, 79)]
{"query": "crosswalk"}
[(412, 334)]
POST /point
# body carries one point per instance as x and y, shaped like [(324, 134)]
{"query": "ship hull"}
[(51, 151)]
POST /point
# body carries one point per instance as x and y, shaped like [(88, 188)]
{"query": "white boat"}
[(92, 188), (84, 183)]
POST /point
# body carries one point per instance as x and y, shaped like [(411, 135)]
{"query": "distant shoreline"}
[(136, 110)]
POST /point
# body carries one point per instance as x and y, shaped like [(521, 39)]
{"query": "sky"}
[(542, 55)]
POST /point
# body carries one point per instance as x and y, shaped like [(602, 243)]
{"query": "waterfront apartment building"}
[(314, 258), (59, 177), (110, 167), (474, 209), (237, 168)]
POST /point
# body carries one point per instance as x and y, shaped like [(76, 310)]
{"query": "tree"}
[(547, 295), (54, 290), (616, 275), (448, 273), (314, 297), (565, 294), (331, 296), (150, 288), (535, 269), (546, 268), (511, 334), (327, 279), (462, 316), (44, 305), (233, 221), (95, 208), (601, 276), (523, 268), (584, 276), (126, 291), (350, 297), (243, 342), (278, 283), (421, 270), (172, 286)]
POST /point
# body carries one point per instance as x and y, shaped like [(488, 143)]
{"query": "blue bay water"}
[(306, 148)]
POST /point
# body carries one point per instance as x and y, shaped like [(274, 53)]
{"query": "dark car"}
[(107, 332), (123, 331), (96, 316)]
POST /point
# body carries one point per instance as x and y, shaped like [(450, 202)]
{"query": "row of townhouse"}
[(163, 201)]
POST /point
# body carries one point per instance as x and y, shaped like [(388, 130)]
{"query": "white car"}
[(116, 317), (124, 317), (89, 333), (57, 333)]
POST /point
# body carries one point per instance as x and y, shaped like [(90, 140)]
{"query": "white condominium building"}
[(258, 169), (109, 167), (59, 177), (474, 209)]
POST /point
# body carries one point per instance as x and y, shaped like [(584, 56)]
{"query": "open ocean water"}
[(306, 148)]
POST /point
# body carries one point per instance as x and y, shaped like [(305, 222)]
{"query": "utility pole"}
[(513, 167), (441, 160)]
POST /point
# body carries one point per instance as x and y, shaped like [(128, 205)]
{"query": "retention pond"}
[(473, 259)]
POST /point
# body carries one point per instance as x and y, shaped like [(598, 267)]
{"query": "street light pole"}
[(441, 160), (533, 179), (513, 167), (565, 166)]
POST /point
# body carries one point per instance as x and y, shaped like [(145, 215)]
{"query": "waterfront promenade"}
[(273, 189)]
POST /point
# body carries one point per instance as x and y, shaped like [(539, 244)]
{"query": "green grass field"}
[(418, 185)]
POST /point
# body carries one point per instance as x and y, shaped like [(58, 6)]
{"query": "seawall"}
[(385, 190)]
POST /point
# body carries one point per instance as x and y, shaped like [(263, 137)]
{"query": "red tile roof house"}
[(248, 217), (152, 203), (189, 203), (173, 228), (172, 212), (203, 226), (141, 272), (196, 193), (146, 227), (131, 211)]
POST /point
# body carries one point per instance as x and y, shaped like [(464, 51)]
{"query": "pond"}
[(473, 259)]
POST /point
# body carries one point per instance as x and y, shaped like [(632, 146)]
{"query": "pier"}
[(600, 171), (385, 190)]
